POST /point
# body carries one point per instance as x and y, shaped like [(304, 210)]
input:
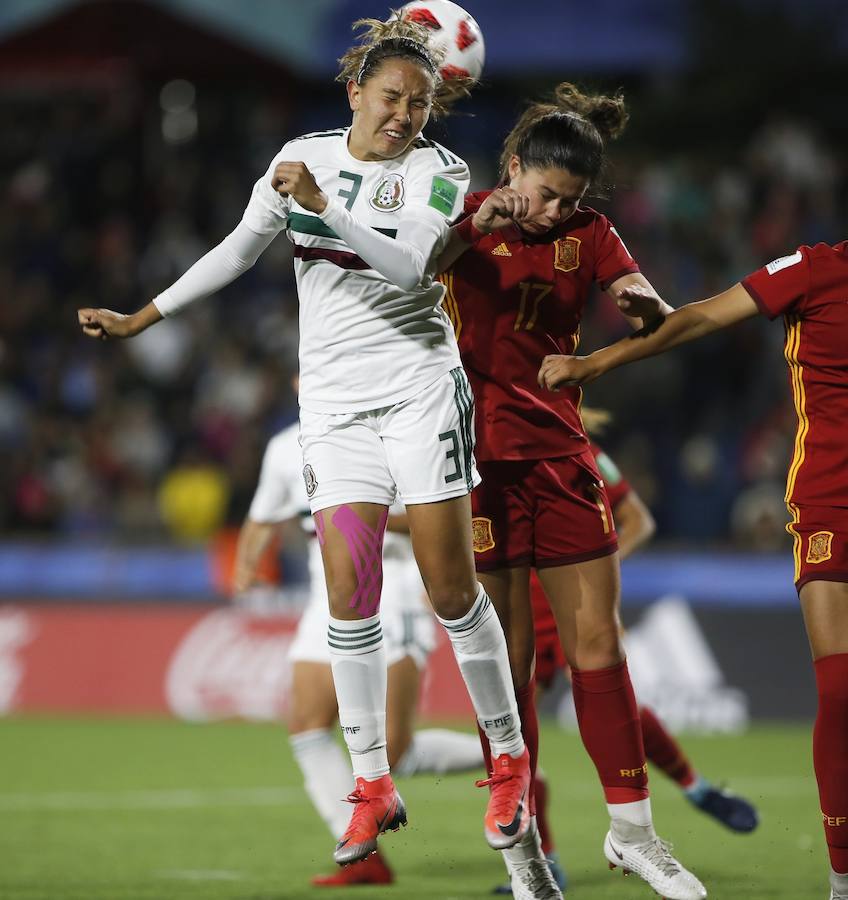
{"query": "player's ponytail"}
[(568, 132), (400, 39)]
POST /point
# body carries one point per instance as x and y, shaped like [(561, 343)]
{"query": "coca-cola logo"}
[(16, 630), (231, 664)]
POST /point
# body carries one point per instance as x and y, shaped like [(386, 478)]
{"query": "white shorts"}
[(421, 449), (409, 628)]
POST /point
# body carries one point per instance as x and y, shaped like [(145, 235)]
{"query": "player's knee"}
[(452, 598), (599, 648), (343, 595)]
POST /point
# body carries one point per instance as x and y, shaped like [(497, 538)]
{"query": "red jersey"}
[(514, 300), (810, 290)]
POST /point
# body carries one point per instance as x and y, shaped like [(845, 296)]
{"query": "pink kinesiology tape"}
[(366, 551)]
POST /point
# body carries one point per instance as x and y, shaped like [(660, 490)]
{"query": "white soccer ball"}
[(452, 30)]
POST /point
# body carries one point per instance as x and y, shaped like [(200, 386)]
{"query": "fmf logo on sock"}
[(501, 722), (351, 729)]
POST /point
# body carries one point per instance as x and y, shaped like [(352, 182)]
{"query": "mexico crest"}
[(309, 480), (481, 532), (389, 194), (567, 254), (818, 547)]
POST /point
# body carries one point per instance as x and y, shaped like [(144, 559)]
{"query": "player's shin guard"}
[(359, 673), (480, 649), (830, 754), (663, 751), (609, 726)]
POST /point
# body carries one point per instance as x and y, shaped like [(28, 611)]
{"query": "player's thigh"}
[(441, 541), (585, 599), (825, 608), (351, 540), (313, 697), (429, 442), (509, 591)]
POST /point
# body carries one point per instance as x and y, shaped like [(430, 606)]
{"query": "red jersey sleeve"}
[(612, 258), (782, 285)]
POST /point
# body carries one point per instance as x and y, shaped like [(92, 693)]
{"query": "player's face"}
[(554, 195), (389, 109)]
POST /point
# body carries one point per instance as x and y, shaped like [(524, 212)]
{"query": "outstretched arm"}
[(684, 324), (221, 265)]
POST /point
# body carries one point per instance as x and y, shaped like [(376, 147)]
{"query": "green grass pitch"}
[(162, 810)]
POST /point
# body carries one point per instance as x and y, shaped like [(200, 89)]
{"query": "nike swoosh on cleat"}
[(512, 828), (619, 855), (389, 812)]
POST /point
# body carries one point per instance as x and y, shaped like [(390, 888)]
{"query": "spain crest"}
[(481, 532), (389, 194), (567, 254), (819, 547)]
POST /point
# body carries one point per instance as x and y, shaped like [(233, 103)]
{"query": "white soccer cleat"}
[(636, 848), (532, 880), (530, 875)]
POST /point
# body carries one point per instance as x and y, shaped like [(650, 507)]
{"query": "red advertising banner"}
[(198, 663)]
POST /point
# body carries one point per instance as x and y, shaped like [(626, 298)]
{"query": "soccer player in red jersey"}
[(634, 525), (809, 288), (519, 268)]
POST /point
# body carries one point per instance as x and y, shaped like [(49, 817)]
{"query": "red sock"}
[(540, 788), (609, 725), (830, 754), (526, 700), (663, 750)]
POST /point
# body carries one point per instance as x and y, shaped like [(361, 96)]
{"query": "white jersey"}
[(281, 495), (365, 342)]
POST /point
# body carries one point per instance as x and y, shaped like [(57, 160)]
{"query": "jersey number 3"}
[(532, 294)]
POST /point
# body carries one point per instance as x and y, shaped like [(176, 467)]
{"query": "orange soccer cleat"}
[(377, 808), (508, 813), (371, 870)]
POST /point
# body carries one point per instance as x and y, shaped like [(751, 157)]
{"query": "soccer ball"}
[(453, 30)]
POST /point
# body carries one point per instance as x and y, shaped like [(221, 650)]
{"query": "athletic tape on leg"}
[(366, 551), (320, 527)]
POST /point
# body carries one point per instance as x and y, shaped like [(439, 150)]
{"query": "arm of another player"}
[(640, 308), (685, 324), (633, 522), (253, 540)]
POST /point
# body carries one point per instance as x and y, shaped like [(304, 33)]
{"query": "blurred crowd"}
[(107, 196)]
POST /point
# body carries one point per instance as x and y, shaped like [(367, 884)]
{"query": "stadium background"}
[(132, 133)]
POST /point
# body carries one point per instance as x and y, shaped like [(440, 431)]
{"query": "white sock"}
[(359, 673), (480, 649), (636, 813), (326, 776), (437, 750)]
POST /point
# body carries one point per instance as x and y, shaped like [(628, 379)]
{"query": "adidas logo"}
[(501, 250)]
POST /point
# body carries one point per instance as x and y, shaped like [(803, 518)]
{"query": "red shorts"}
[(541, 513), (821, 543), (549, 656)]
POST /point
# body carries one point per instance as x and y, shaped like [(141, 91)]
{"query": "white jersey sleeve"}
[(434, 198), (280, 494), (265, 217)]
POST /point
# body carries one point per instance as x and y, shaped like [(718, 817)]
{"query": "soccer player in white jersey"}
[(385, 404), (408, 635)]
